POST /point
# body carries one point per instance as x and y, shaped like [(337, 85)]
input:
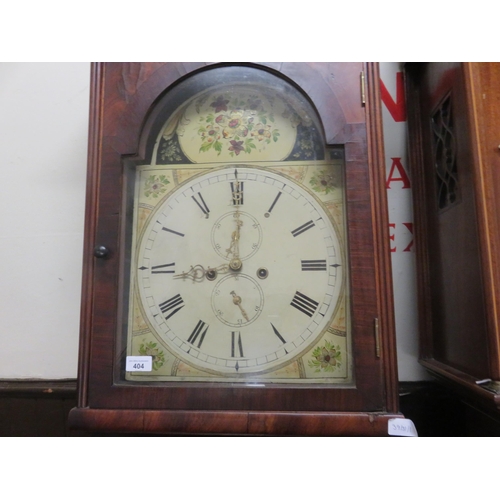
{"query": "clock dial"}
[(239, 271)]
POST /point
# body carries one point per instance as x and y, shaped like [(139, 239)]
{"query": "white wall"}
[(43, 144), (43, 140)]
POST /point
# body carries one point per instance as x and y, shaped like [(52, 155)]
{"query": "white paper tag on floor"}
[(401, 427)]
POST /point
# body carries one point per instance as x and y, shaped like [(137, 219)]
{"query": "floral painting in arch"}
[(239, 123)]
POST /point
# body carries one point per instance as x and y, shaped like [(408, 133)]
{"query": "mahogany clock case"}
[(453, 120), (130, 103)]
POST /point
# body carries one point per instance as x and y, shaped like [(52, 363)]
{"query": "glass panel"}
[(444, 151), (237, 247)]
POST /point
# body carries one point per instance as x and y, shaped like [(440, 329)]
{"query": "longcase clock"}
[(237, 272), (453, 119)]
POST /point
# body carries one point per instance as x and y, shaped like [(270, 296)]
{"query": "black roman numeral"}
[(303, 228), (236, 345), (278, 334), (172, 231), (201, 204), (163, 269), (174, 304), (237, 192), (274, 202), (304, 304), (313, 265), (196, 333)]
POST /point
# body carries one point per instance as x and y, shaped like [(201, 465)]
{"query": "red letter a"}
[(396, 164)]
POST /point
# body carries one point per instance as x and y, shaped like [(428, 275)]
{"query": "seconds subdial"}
[(237, 300)]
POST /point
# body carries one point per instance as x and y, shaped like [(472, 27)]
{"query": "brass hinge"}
[(363, 95), (377, 338)]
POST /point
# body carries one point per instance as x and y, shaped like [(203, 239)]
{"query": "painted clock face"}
[(239, 271), (236, 268)]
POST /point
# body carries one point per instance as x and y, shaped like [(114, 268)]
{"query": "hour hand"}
[(198, 273)]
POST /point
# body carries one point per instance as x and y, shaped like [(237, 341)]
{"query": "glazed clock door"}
[(453, 127), (240, 262), (456, 312)]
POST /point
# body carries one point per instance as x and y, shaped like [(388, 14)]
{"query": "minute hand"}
[(234, 249), (234, 246)]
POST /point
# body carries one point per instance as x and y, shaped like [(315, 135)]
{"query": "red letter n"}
[(396, 109)]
